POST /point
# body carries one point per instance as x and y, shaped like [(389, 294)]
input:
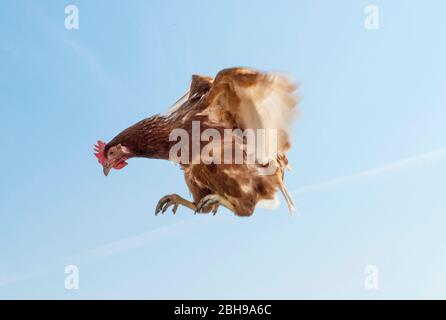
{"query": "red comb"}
[(99, 151)]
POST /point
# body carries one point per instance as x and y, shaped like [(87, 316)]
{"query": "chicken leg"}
[(214, 200), (173, 200)]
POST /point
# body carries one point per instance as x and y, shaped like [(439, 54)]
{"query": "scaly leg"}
[(173, 200), (213, 200)]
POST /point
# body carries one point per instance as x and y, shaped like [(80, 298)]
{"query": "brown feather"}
[(238, 98)]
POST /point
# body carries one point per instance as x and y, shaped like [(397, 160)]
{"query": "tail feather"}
[(289, 200)]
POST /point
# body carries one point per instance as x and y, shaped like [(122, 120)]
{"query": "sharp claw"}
[(160, 205), (201, 207), (203, 203), (157, 210), (165, 202), (167, 205)]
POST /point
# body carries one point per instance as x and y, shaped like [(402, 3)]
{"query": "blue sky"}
[(369, 153)]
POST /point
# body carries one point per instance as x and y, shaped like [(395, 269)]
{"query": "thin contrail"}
[(135, 241), (104, 251), (383, 169), (156, 235)]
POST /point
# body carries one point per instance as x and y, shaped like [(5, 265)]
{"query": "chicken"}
[(229, 136)]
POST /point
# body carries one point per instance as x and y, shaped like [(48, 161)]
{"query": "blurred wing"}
[(198, 87), (256, 101), (178, 104)]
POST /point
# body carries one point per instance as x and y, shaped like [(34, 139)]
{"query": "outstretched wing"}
[(255, 100), (199, 86)]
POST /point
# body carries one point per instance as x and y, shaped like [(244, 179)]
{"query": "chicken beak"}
[(106, 168)]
